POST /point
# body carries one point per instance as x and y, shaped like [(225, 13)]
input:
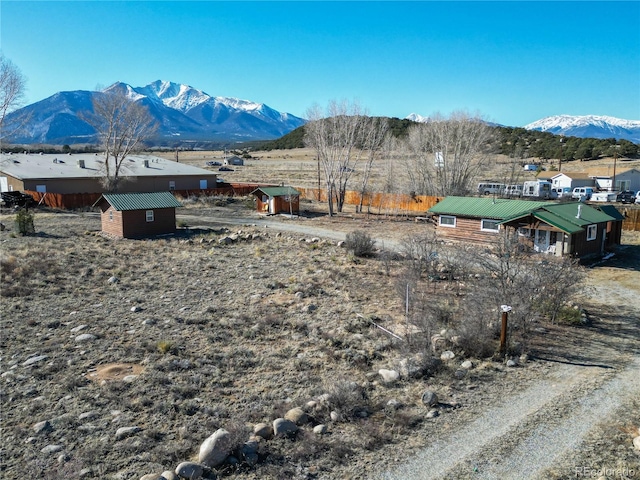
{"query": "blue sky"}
[(511, 62)]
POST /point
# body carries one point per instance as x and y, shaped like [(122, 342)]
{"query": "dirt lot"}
[(180, 336)]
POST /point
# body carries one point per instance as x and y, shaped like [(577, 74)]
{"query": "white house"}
[(572, 180), (625, 179)]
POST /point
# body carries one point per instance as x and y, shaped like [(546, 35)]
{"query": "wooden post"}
[(503, 330)]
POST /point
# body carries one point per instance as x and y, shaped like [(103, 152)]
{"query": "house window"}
[(41, 188), (149, 215), (489, 225), (172, 185), (447, 221), (592, 232), (623, 185), (111, 215), (524, 232)]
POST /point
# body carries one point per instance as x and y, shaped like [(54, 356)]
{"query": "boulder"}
[(190, 470), (215, 449), (320, 429), (168, 475), (388, 376), (636, 443), (447, 355), (297, 416), (430, 398), (467, 364), (263, 430), (282, 426), (124, 432), (42, 427)]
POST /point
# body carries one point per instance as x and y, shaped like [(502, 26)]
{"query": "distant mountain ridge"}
[(183, 114), (589, 126)]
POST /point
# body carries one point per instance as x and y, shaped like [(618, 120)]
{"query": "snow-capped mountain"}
[(589, 126), (182, 112), (414, 117)]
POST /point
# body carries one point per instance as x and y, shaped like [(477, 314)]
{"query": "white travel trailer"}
[(537, 188)]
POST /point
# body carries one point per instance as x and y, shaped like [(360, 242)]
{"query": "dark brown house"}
[(274, 200), (137, 215)]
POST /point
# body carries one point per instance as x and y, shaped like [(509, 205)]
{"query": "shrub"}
[(360, 243), (24, 222)]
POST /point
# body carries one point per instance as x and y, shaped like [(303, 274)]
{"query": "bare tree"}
[(123, 125), (339, 141), (375, 139), (12, 87), (444, 155)]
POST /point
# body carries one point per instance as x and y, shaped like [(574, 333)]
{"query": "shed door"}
[(203, 184), (4, 184)]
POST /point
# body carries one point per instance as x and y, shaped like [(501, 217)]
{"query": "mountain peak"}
[(594, 126)]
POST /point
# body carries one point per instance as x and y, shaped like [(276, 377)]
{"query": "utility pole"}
[(615, 159)]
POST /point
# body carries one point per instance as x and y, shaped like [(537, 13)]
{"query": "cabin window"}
[(172, 185), (149, 215), (524, 232), (487, 225), (592, 232), (447, 221)]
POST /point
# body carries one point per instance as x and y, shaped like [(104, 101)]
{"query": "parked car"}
[(638, 197), (225, 169), (562, 192), (628, 196), (213, 163), (582, 193)]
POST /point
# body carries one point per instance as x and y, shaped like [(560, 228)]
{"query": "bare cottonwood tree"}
[(12, 87), (444, 155), (374, 140), (338, 138), (122, 125)]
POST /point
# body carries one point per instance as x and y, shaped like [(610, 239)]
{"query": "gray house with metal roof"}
[(137, 215)]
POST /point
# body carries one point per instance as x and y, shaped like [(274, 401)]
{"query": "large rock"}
[(636, 442), (430, 398), (215, 449), (388, 376), (282, 426), (169, 475), (263, 430), (190, 470), (124, 432), (297, 416)]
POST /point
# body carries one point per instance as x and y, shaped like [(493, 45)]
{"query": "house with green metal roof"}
[(545, 226), (274, 200), (575, 228), (137, 215)]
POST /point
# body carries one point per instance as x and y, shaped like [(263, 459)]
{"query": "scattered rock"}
[(168, 475), (42, 427), (335, 416), (282, 426), (136, 309), (297, 416), (49, 449), (512, 362), (447, 355), (190, 470), (78, 328), (393, 403), (388, 376), (85, 337), (113, 280), (215, 449), (320, 429), (467, 364), (460, 373), (124, 432), (263, 430), (34, 360), (636, 442), (430, 398), (433, 413)]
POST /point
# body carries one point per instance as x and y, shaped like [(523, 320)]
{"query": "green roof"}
[(277, 191), (568, 217), (611, 211), (485, 207), (140, 201)]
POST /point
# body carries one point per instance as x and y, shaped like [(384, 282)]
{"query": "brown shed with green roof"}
[(138, 215), (274, 200)]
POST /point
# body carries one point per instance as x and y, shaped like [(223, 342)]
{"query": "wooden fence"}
[(631, 221)]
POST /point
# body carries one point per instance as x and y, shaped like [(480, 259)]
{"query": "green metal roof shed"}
[(139, 201), (568, 217)]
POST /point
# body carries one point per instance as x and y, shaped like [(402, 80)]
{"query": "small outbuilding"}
[(274, 200), (138, 215), (233, 161)]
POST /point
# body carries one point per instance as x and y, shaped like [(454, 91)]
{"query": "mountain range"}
[(183, 114), (187, 115), (582, 126)]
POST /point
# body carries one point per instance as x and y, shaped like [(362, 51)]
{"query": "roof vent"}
[(579, 211), (145, 163), (80, 163)]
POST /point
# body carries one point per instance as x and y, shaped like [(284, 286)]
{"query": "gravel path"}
[(528, 433)]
